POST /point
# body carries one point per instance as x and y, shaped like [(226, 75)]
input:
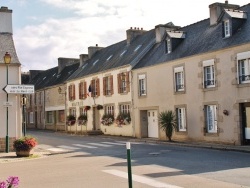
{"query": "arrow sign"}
[(19, 89)]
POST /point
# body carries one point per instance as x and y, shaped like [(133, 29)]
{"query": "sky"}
[(44, 30)]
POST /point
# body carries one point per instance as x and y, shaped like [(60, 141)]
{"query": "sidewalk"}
[(38, 153)]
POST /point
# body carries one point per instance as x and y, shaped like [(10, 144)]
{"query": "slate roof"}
[(117, 55), (200, 38), (7, 45), (51, 77)]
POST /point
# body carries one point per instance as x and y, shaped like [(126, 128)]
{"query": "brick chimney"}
[(83, 59), (216, 10), (161, 29), (93, 49), (132, 33), (5, 20)]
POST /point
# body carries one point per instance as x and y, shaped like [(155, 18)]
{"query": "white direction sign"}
[(19, 89), (7, 104)]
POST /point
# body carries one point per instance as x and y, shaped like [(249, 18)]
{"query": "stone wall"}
[(2, 144)]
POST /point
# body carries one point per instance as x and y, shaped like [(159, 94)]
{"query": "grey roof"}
[(51, 76), (7, 45), (117, 55), (200, 38)]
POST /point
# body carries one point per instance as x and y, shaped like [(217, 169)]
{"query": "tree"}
[(167, 121)]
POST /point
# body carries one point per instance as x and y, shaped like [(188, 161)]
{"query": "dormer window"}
[(168, 46), (226, 28)]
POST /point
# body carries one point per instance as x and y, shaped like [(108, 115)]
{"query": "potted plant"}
[(99, 107), (82, 119), (123, 119), (107, 119), (87, 108), (11, 182), (71, 119), (167, 121), (24, 145)]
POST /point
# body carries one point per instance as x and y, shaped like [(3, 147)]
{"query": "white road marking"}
[(114, 143), (84, 146), (68, 147), (97, 144), (141, 179), (56, 149)]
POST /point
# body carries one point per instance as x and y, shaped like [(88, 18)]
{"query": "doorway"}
[(245, 114), (96, 119), (153, 128)]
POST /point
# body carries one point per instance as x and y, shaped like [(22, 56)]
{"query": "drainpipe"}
[(132, 103)]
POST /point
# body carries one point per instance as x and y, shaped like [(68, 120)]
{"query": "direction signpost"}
[(19, 89)]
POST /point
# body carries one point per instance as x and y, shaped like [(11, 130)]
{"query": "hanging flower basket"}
[(87, 108), (71, 120), (99, 107)]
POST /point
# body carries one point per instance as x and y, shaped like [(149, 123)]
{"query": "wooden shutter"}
[(127, 82), (111, 85), (74, 92), (119, 82), (92, 88), (104, 85), (85, 90), (98, 87), (69, 94), (80, 90)]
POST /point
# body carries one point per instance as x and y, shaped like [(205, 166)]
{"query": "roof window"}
[(123, 52), (95, 62), (109, 57), (137, 48)]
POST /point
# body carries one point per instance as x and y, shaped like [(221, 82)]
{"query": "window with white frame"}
[(72, 111), (227, 28), (181, 119), (108, 85), (124, 108), (244, 70), (49, 116), (109, 109), (31, 117), (179, 79), (142, 85), (211, 118), (208, 74), (82, 111), (123, 82)]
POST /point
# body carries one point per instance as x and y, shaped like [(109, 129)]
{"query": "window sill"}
[(180, 92), (243, 85), (181, 133), (210, 89), (211, 134)]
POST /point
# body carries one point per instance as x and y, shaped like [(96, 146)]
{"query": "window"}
[(142, 85), (109, 109), (95, 87), (211, 118), (226, 28), (108, 85), (181, 119), (208, 74), (49, 117), (72, 111), (123, 82), (137, 48), (244, 71), (82, 90), (179, 79), (168, 46), (31, 117), (71, 89), (124, 108), (61, 116), (82, 111)]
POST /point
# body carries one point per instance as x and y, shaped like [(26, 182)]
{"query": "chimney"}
[(93, 49), (5, 20), (216, 10), (63, 62), (83, 58), (132, 33), (161, 29)]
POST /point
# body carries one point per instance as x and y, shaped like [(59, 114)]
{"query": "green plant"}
[(123, 118), (107, 119), (82, 119), (167, 121), (71, 118), (25, 143)]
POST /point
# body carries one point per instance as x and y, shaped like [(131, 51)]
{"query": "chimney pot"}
[(226, 2), (96, 45)]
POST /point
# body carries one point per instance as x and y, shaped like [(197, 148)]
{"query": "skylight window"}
[(95, 62), (137, 48), (58, 75), (109, 57), (84, 66), (123, 52), (54, 74), (44, 78)]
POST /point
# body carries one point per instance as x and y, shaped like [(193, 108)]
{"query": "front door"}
[(246, 122), (153, 130), (96, 119)]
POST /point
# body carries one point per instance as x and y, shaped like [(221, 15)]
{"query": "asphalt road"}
[(98, 161)]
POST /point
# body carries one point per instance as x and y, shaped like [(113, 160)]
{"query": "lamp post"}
[(7, 59)]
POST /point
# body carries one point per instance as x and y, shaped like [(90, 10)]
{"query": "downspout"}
[(44, 97), (132, 104)]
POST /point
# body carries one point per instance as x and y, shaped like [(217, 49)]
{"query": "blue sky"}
[(45, 30)]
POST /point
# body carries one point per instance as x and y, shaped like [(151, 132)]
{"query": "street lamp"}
[(7, 59)]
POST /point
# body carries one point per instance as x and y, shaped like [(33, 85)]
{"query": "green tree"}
[(167, 121)]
